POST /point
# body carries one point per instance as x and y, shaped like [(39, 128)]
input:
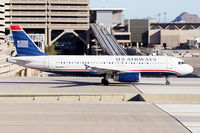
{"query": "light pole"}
[(159, 17), (165, 16)]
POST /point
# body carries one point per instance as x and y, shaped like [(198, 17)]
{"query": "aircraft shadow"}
[(83, 83), (65, 83), (145, 84)]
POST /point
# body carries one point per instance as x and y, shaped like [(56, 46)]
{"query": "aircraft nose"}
[(190, 69)]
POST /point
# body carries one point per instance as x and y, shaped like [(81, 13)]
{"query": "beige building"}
[(173, 34), (2, 22), (177, 37), (46, 16)]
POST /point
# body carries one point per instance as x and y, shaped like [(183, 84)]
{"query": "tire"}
[(105, 82), (167, 83)]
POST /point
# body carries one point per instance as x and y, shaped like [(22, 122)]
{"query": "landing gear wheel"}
[(105, 82), (167, 83)]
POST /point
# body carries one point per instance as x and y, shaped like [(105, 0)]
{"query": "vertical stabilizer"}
[(24, 45)]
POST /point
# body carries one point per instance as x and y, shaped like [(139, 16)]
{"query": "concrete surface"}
[(49, 114), (194, 61), (86, 118), (172, 98), (178, 86), (62, 85), (64, 97), (188, 114)]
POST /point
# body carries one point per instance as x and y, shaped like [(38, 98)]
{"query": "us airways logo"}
[(87, 67), (137, 59), (22, 44)]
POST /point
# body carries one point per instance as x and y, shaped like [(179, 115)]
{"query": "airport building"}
[(2, 22), (149, 33), (54, 18), (68, 22), (113, 19), (106, 16), (173, 34)]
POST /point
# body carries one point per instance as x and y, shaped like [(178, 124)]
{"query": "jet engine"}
[(127, 77)]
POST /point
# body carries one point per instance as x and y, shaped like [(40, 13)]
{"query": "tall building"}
[(139, 30), (47, 16), (2, 22)]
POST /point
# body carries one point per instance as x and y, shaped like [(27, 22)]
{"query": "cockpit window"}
[(181, 62)]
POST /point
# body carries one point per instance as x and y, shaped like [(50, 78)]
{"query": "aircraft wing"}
[(104, 70), (109, 70)]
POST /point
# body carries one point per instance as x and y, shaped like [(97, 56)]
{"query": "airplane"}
[(119, 68)]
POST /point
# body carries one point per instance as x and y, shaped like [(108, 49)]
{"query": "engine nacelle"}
[(127, 77)]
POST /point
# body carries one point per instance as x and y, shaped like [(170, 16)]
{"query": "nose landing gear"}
[(167, 81)]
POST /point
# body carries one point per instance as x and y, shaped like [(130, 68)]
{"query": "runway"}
[(85, 118), (62, 85), (178, 86), (79, 104)]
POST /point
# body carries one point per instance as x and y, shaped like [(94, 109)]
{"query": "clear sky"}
[(150, 8)]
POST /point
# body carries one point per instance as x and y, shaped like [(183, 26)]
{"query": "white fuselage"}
[(157, 64)]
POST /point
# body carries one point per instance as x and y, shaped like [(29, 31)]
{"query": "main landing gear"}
[(105, 82), (167, 81)]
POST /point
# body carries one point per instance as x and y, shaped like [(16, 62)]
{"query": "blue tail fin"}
[(24, 45)]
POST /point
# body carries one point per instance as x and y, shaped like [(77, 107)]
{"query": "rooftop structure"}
[(106, 16)]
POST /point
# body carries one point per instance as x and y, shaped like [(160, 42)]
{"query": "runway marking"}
[(133, 85), (173, 117), (88, 125)]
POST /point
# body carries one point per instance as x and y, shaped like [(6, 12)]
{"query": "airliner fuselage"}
[(111, 65), (120, 68)]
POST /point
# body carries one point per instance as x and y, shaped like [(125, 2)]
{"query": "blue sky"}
[(149, 8)]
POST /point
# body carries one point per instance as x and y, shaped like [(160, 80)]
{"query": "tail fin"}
[(24, 45)]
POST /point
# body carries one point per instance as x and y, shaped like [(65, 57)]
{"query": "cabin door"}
[(46, 63)]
